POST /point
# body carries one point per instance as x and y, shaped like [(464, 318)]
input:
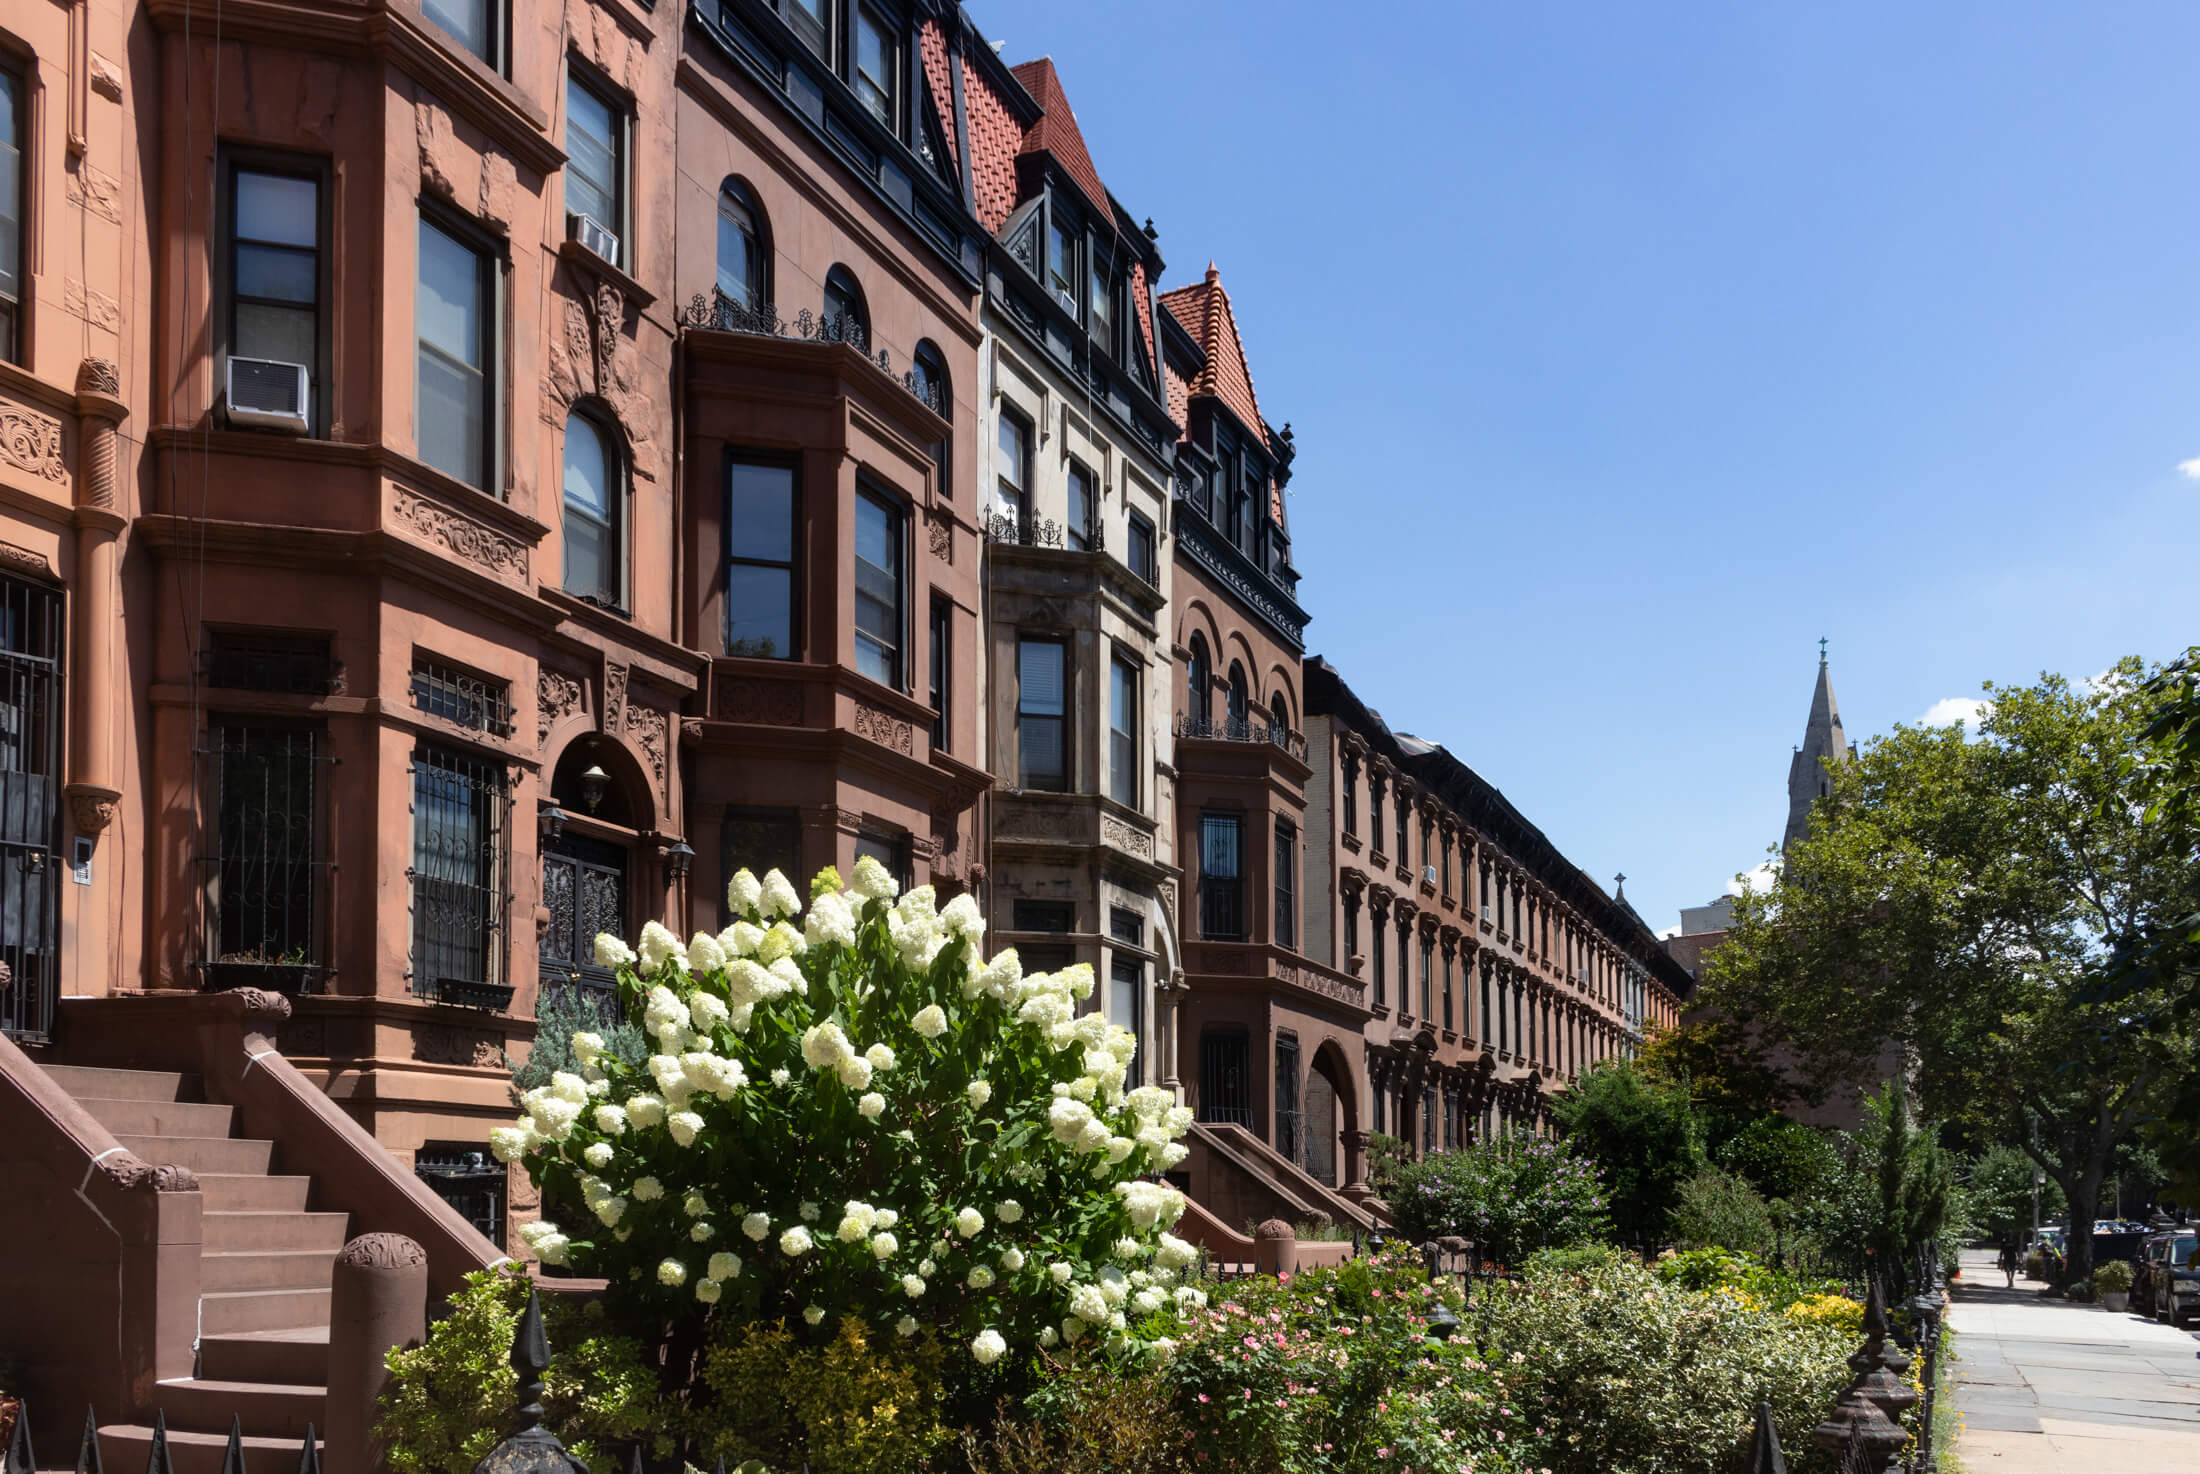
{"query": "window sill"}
[(581, 259)]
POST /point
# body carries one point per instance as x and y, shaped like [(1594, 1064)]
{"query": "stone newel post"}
[(379, 1299)]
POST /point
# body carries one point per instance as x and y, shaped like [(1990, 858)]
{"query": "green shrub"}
[(1780, 1157), (558, 1017), (1643, 1136), (1086, 1417), (1628, 1371), (1580, 1259), (854, 1405), (1719, 1209), (1737, 1272), (1511, 1197), (450, 1399), (2112, 1278)]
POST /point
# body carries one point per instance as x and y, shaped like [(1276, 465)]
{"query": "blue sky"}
[(1630, 349)]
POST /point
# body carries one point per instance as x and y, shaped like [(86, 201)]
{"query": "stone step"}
[(130, 1117), (283, 1269), (85, 1080), (266, 1233), (295, 1356), (262, 1310), (246, 1192), (130, 1446), (202, 1153), (269, 1409)]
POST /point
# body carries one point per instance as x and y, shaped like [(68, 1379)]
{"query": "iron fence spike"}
[(309, 1455), (1765, 1453), (88, 1460), (157, 1460), (233, 1455), (20, 1459)]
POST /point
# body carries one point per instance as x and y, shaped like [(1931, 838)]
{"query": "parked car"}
[(2167, 1286)]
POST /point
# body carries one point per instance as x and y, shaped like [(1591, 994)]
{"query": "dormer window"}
[(1062, 262), (1103, 308), (875, 67)]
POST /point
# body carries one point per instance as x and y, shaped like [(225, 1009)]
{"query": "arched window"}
[(744, 260), (1199, 681), (594, 483), (847, 319), (1239, 700), (1278, 716), (930, 368)]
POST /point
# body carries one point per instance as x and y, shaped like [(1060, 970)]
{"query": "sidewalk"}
[(2047, 1387)]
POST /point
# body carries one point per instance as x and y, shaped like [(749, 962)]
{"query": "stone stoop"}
[(265, 1269)]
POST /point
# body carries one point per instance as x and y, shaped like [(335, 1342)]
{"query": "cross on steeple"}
[(1621, 879), (1821, 649)]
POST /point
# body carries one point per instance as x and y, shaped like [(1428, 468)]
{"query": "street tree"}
[(1956, 908)]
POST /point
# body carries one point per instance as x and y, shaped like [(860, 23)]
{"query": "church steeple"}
[(1824, 743)]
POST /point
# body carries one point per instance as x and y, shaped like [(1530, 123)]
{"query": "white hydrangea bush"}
[(851, 1111)]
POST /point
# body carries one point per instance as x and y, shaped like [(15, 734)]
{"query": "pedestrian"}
[(2009, 1261)]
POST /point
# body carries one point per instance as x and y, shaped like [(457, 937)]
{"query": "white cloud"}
[(2190, 470), (1754, 882), (1968, 710)]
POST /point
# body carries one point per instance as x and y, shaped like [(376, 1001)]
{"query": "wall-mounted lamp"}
[(678, 857), (594, 783), (551, 822)]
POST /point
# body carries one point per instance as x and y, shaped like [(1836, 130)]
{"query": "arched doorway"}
[(1328, 1112), (590, 834)]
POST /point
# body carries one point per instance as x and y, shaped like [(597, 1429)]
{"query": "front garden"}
[(870, 1202)]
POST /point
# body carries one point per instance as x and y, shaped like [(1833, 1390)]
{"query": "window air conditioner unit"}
[(591, 234), (1485, 911), (1067, 298), (265, 391), (1428, 875)]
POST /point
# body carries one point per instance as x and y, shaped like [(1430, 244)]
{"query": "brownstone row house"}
[(473, 474)]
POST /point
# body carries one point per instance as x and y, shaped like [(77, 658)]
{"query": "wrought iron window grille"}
[(31, 868), (1251, 728), (720, 313), (254, 660), (461, 819), (470, 1180), (1025, 532), (476, 703), (266, 880)]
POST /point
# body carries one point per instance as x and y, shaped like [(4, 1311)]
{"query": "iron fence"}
[(1241, 729)]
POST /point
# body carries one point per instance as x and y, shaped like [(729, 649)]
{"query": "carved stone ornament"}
[(557, 696), (883, 728), (98, 376), (441, 1044), (943, 539), (260, 1005), (130, 1172), (761, 703), (607, 316), (31, 442), (382, 1251), (1125, 836), (614, 697), (482, 546), (92, 808), (647, 728), (12, 556)]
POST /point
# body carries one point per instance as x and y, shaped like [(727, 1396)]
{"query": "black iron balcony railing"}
[(1242, 729), (723, 314)]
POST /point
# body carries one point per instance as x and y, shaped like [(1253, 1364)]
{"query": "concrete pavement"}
[(2047, 1387)]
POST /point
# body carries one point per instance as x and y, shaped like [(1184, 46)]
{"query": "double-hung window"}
[(1042, 713), (594, 513), (942, 640), (1103, 308), (760, 546), (481, 26), (1062, 261), (812, 20), (1142, 558), (743, 266), (875, 70), (1127, 1007), (456, 315), (275, 269), (596, 159), (13, 197), (1081, 504), (1222, 877), (1012, 471), (1287, 884), (879, 575), (1123, 732)]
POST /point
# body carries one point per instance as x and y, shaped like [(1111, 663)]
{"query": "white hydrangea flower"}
[(1173, 1153), (809, 1212), (1150, 1203), (795, 1242), (780, 943), (912, 1286), (663, 1013), (1012, 1259), (887, 1218), (884, 1246), (708, 1291), (872, 1105), (928, 1268), (693, 1204), (960, 918), (1189, 1297), (586, 1046), (741, 939), (685, 1126), (1073, 1329), (979, 1278), (1114, 1285), (872, 881), (612, 953), (701, 1231), (825, 1045), (706, 1011), (830, 922), (987, 1346), (742, 892), (1119, 1147), (814, 1314), (610, 1119), (1174, 1252), (509, 1143), (598, 1154), (855, 1221), (854, 1072), (659, 948), (1087, 1303), (778, 897), (880, 1056), (1077, 977), (906, 1327), (1048, 1336), (781, 1076), (930, 1022), (724, 1265), (645, 1110), (704, 954), (968, 1221), (1059, 1272), (979, 1091), (757, 1226), (647, 1189), (609, 1210), (671, 1273), (1008, 1210)]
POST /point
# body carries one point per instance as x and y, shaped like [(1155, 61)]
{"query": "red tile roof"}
[(995, 140), (1204, 309), (933, 43), (1056, 132)]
